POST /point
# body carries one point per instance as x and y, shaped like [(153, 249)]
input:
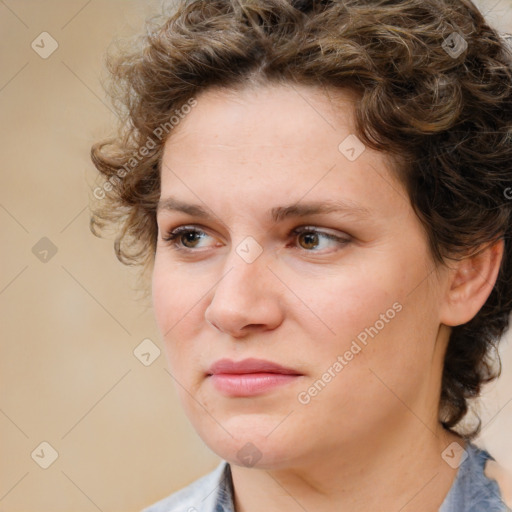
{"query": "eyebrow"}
[(278, 213)]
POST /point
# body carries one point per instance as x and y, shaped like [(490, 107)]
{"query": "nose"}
[(246, 299)]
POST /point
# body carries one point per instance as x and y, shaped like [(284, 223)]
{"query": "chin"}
[(251, 444)]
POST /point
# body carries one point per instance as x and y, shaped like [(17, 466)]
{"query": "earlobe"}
[(470, 283)]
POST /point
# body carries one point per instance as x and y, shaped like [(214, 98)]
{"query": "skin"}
[(370, 439)]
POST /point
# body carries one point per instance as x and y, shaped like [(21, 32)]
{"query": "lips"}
[(249, 377), (226, 366)]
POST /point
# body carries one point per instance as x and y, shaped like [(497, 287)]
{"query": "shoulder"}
[(481, 484), (503, 478), (202, 495)]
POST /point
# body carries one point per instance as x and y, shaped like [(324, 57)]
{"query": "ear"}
[(469, 284)]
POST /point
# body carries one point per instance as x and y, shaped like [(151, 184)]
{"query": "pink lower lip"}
[(248, 384)]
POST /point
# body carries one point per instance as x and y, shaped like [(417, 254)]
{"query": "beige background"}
[(68, 374)]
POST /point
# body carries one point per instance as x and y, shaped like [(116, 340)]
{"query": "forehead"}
[(274, 141), (271, 115)]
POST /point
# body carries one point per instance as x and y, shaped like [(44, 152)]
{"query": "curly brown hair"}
[(434, 86)]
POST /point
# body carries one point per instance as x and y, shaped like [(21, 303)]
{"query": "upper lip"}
[(250, 365)]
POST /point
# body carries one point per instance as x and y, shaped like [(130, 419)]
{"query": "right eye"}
[(184, 238)]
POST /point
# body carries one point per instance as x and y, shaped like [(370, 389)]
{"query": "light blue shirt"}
[(471, 491)]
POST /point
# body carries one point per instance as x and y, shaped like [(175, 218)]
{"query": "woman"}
[(318, 190)]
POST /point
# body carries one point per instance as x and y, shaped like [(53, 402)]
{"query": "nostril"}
[(211, 323)]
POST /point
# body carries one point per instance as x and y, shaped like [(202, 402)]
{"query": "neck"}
[(401, 469)]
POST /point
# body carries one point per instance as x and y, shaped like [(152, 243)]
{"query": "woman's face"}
[(302, 250)]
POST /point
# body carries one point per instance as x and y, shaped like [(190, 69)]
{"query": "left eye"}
[(312, 237), (187, 238)]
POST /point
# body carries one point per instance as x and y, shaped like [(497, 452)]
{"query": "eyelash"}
[(172, 235)]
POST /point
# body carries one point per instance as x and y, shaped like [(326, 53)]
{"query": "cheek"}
[(383, 333), (175, 298), (340, 307), (175, 292), (372, 306)]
